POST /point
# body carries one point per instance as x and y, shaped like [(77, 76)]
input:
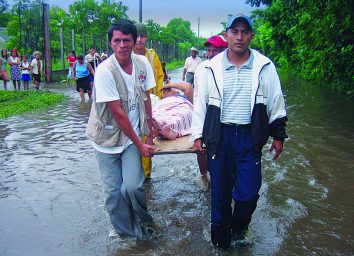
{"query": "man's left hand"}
[(277, 146)]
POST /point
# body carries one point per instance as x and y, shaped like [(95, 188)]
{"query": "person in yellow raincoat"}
[(151, 55)]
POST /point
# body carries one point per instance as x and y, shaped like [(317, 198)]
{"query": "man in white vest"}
[(120, 116)]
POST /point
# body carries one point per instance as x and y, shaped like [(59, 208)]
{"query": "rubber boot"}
[(221, 236)]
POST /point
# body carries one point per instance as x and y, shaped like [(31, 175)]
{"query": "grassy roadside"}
[(15, 103), (174, 64)]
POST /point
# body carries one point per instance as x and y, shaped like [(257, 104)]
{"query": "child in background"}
[(25, 67)]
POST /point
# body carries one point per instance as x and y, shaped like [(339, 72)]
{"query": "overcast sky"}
[(211, 13)]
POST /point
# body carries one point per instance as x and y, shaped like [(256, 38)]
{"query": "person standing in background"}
[(104, 55), (190, 65), (94, 59), (81, 73), (151, 55), (25, 67), (15, 71), (166, 78), (37, 69), (71, 60), (3, 68)]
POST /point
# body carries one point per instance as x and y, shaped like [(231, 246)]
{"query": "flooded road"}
[(51, 201)]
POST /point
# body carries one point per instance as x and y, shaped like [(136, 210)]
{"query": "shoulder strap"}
[(120, 83), (212, 72)]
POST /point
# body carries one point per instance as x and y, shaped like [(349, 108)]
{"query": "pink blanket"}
[(175, 111)]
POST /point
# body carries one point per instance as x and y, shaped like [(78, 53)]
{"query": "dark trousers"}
[(190, 78), (235, 174)]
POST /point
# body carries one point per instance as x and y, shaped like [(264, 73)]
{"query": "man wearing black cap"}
[(239, 105)]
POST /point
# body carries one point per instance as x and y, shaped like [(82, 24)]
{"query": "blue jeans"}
[(122, 180), (235, 174)]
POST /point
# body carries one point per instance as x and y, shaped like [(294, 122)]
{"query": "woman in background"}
[(71, 59), (15, 70), (81, 74), (3, 68)]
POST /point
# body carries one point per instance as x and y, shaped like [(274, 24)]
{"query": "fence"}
[(34, 25), (65, 40)]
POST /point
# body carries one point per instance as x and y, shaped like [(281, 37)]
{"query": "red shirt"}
[(71, 60)]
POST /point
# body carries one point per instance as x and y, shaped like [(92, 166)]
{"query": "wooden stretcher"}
[(179, 146)]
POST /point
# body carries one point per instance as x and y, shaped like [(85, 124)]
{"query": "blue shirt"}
[(81, 70)]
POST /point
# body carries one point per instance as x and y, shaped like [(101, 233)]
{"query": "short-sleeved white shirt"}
[(25, 65), (34, 66), (191, 63), (105, 90)]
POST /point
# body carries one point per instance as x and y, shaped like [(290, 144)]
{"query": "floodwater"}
[(51, 201)]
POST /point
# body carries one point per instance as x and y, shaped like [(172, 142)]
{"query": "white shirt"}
[(191, 64), (25, 65), (35, 66), (105, 90), (236, 104)]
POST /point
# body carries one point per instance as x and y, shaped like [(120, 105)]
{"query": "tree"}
[(180, 30), (154, 30), (93, 19), (25, 27), (314, 36), (3, 6), (4, 14), (258, 3)]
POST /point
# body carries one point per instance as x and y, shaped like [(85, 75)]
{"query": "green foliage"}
[(174, 64), (5, 18), (25, 27), (180, 31), (258, 3), (3, 7), (316, 37), (15, 103), (154, 30)]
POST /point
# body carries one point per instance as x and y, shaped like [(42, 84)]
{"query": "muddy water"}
[(51, 201)]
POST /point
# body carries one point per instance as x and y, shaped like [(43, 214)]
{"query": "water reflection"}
[(50, 192)]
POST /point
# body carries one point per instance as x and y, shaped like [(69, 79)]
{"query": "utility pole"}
[(198, 33), (19, 21), (140, 10), (46, 51), (60, 24), (72, 39)]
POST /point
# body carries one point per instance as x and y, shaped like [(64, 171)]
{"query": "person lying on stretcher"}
[(172, 118), (172, 115)]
